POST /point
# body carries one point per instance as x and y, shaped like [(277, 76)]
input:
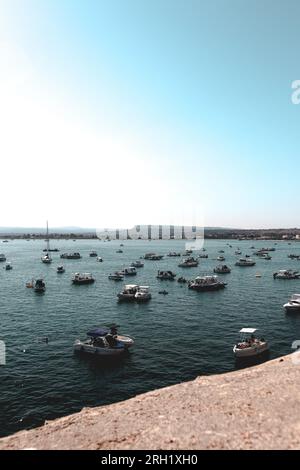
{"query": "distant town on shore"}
[(209, 233)]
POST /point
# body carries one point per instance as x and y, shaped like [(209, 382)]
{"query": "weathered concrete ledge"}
[(254, 408)]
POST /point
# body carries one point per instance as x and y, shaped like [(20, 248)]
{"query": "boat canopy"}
[(248, 330), (95, 332)]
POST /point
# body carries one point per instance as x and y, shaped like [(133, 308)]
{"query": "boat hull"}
[(98, 351), (254, 350)]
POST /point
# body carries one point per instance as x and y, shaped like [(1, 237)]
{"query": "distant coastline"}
[(209, 233)]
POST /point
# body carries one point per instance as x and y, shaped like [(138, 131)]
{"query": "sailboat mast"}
[(47, 237)]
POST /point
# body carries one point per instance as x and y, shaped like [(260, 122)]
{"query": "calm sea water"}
[(177, 337)]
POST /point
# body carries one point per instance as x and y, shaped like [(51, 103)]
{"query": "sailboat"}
[(47, 258)]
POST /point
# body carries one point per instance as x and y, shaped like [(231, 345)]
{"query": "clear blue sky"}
[(178, 110)]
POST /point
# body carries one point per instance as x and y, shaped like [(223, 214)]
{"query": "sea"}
[(177, 337)]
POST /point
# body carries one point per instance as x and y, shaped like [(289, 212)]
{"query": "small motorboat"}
[(238, 252), (293, 256), (222, 269), (84, 278), (117, 276), (206, 283), (163, 292), (30, 284), (182, 280), (189, 263), (8, 266), (70, 255), (293, 305), (93, 254), (105, 342), (166, 275), (220, 258), (131, 271), (128, 293), (202, 255), (257, 275), (244, 262), (143, 294), (249, 345), (173, 254), (39, 286), (286, 274), (137, 264), (60, 269), (99, 259), (119, 251), (153, 256)]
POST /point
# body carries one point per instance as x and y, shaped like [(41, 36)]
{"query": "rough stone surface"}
[(254, 408)]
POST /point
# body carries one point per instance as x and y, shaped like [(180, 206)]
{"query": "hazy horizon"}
[(169, 111)]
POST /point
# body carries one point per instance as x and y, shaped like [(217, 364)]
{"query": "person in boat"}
[(111, 340)]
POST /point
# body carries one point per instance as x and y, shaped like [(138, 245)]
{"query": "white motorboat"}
[(99, 259), (60, 269), (153, 256), (206, 283), (128, 293), (166, 275), (249, 345), (286, 274), (84, 278), (2, 257), (131, 271), (137, 264), (116, 276), (220, 258), (222, 269), (238, 252), (104, 342), (245, 262), (189, 263), (293, 305), (143, 294)]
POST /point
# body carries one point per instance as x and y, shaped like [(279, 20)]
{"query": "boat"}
[(245, 262), (267, 257), (39, 286), (93, 254), (104, 342), (119, 251), (292, 256), (60, 269), (70, 255), (238, 252), (220, 258), (55, 250), (8, 266), (182, 280), (84, 278), (2, 257), (166, 275), (293, 305), (47, 258), (30, 284), (130, 271), (189, 263), (143, 294), (117, 276), (222, 269), (221, 251), (153, 256), (173, 254), (4, 241), (128, 293), (206, 283), (202, 255), (257, 275), (99, 259), (163, 292), (188, 252), (137, 264), (249, 345), (286, 274)]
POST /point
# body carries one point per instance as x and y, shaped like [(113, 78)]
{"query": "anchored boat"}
[(206, 283), (104, 342), (84, 278), (249, 345)]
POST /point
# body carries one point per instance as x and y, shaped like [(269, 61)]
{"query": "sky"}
[(149, 112)]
